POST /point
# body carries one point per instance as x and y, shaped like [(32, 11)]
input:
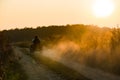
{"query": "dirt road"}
[(88, 72), (34, 70), (37, 71)]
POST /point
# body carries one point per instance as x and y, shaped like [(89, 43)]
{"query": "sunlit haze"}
[(103, 8), (33, 13)]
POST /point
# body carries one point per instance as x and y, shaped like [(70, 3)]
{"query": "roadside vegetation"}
[(10, 69)]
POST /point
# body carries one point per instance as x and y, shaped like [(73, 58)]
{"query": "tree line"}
[(45, 32)]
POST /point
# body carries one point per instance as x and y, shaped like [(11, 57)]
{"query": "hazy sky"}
[(33, 13)]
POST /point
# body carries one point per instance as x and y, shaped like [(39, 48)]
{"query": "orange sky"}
[(33, 13)]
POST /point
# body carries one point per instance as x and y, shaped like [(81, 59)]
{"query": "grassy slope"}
[(15, 72), (13, 69)]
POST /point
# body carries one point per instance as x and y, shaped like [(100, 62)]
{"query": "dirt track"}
[(88, 72), (37, 71), (34, 70)]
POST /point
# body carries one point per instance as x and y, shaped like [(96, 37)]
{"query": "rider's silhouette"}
[(36, 40), (35, 44)]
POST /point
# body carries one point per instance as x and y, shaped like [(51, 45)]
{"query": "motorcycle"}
[(35, 47)]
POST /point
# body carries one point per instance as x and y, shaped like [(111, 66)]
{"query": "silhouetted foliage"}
[(5, 55), (9, 67)]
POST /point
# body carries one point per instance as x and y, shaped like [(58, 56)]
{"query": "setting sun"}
[(103, 8)]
